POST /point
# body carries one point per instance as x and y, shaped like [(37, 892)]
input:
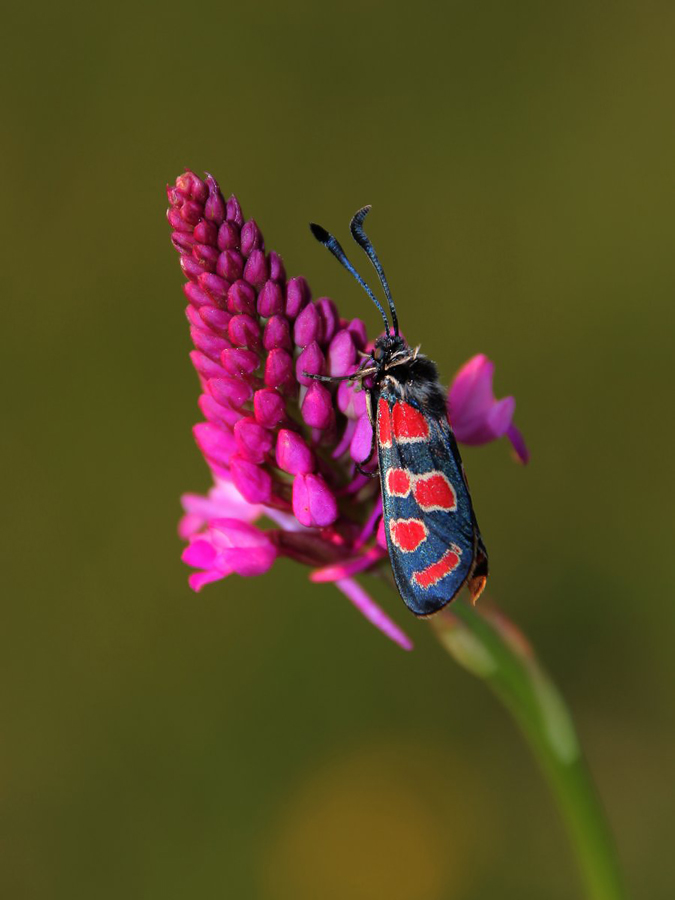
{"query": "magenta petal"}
[(197, 580), (376, 616), (200, 554), (518, 443)]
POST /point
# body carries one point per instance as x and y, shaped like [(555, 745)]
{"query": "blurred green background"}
[(260, 740)]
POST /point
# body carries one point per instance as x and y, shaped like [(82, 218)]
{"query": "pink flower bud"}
[(256, 270), (251, 238), (270, 300), (277, 270), (277, 334), (317, 407), (208, 343), (196, 295), (231, 391), (297, 296), (239, 363), (312, 361), (216, 443), (329, 318), (357, 329), (241, 298), (244, 331), (362, 441), (233, 211), (216, 319), (183, 242), (214, 208), (228, 236), (307, 326), (269, 407), (253, 483), (189, 184), (313, 502), (206, 233), (293, 454), (253, 441), (278, 368), (176, 222), (381, 537), (191, 268), (216, 287), (230, 265), (341, 354), (191, 212), (217, 413), (206, 367)]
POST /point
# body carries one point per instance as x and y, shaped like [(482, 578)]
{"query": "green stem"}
[(489, 646)]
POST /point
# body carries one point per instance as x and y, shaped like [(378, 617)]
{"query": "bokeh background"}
[(260, 740)]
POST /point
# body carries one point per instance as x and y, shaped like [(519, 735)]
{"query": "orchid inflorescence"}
[(282, 446)]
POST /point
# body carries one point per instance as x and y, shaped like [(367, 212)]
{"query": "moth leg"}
[(327, 377)]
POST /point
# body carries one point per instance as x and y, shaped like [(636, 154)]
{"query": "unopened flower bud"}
[(278, 369), (312, 361), (214, 208), (228, 236), (230, 265), (293, 454), (317, 406), (232, 391), (253, 441), (241, 298), (239, 363), (307, 326), (297, 297), (244, 331), (313, 502), (341, 353), (277, 333), (251, 238), (256, 270), (270, 300), (269, 407), (253, 482)]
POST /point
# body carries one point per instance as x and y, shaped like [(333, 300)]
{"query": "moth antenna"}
[(361, 238), (324, 237)]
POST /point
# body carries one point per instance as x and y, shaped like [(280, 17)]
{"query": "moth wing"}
[(435, 546)]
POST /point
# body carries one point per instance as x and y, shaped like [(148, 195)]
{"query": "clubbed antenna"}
[(327, 239), (359, 235)]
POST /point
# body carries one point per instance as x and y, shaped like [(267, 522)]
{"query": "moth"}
[(434, 542)]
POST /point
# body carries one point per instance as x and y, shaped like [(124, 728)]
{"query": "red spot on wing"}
[(444, 566), (383, 423), (433, 491), (408, 423), (398, 483), (407, 534)]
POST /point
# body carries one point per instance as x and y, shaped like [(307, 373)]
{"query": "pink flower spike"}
[(376, 616), (229, 545), (313, 502), (476, 416)]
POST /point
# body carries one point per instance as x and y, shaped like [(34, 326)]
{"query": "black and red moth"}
[(435, 546)]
